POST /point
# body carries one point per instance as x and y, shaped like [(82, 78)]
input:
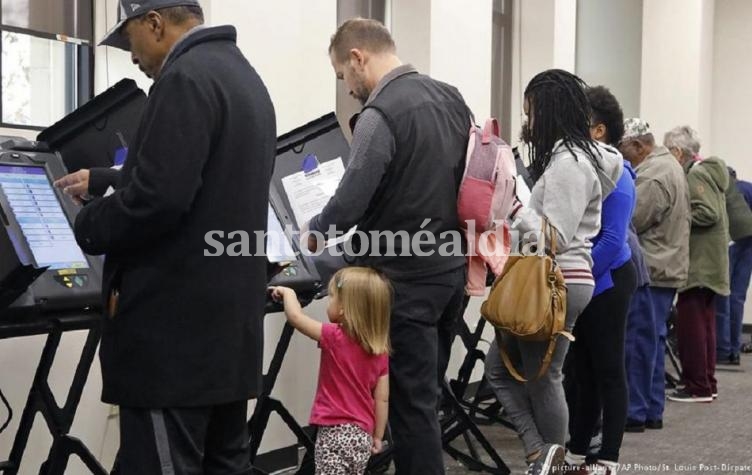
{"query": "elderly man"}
[(708, 266), (182, 340), (661, 219)]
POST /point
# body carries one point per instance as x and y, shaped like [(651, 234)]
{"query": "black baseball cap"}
[(128, 9)]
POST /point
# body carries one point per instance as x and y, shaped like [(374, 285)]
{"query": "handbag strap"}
[(549, 233), (505, 358), (547, 358), (550, 351)]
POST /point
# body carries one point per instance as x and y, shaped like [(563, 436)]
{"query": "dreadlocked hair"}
[(560, 111)]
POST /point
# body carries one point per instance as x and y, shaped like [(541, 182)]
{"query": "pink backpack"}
[(485, 197)]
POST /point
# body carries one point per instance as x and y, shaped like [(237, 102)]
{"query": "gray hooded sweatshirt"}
[(570, 195)]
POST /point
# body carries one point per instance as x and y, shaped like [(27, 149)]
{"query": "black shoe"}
[(634, 426), (684, 396), (732, 360), (747, 348), (654, 424)]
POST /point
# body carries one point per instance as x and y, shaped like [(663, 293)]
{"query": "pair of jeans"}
[(424, 318), (537, 408), (730, 310), (663, 300), (640, 348)]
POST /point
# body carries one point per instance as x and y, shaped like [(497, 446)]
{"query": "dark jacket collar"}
[(395, 73), (204, 35)]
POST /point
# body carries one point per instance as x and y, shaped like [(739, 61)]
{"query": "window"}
[(46, 64)]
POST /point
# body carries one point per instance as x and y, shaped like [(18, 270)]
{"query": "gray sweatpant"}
[(538, 408)]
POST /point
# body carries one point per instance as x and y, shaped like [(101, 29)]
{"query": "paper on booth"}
[(308, 193)]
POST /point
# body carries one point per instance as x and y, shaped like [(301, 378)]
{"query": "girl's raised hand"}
[(278, 293)]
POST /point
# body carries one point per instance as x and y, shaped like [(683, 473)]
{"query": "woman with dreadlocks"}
[(572, 175)]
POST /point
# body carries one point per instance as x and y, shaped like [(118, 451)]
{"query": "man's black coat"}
[(188, 328)]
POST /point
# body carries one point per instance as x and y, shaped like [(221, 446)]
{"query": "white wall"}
[(609, 48), (532, 50), (565, 33), (544, 37), (287, 42), (111, 64), (461, 50), (455, 48), (676, 57), (411, 29), (732, 98)]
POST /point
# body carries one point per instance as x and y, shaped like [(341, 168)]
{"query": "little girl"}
[(352, 397)]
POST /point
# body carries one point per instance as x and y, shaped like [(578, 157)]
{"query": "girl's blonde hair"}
[(366, 298)]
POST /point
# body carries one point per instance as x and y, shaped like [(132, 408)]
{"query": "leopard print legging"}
[(342, 450)]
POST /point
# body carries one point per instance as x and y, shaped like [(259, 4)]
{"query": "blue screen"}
[(43, 222)]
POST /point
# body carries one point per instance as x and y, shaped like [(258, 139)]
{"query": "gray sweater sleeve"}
[(371, 152), (566, 194)]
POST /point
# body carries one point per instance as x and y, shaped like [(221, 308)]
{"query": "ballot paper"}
[(278, 247), (309, 192)]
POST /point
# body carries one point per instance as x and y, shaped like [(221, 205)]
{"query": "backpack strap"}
[(491, 129)]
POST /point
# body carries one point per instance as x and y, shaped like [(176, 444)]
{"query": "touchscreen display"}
[(278, 247), (43, 222)]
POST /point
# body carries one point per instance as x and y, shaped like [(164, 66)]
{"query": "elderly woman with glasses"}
[(707, 180)]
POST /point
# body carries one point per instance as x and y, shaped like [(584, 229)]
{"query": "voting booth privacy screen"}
[(310, 163), (98, 133)]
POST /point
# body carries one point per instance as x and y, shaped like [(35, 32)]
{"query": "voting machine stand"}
[(40, 399), (39, 297), (481, 405)]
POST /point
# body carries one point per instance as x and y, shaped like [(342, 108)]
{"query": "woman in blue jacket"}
[(598, 356)]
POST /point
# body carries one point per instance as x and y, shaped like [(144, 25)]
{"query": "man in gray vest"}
[(406, 164)]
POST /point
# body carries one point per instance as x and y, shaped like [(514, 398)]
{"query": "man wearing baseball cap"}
[(662, 221), (181, 348)]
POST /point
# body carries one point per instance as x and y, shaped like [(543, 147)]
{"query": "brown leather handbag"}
[(529, 301)]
